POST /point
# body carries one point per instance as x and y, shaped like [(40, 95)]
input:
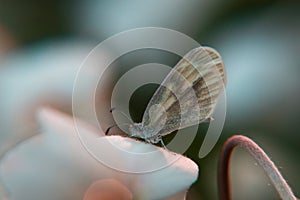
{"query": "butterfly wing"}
[(188, 94)]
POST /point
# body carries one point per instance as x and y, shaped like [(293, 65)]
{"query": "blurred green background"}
[(258, 40)]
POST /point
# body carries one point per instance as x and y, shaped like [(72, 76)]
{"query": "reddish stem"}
[(270, 168)]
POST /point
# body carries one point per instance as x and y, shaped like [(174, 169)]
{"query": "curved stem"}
[(270, 168)]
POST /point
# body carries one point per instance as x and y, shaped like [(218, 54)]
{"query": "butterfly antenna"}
[(108, 129), (115, 125), (114, 109)]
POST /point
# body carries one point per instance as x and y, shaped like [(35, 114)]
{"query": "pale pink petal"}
[(57, 164), (41, 75)]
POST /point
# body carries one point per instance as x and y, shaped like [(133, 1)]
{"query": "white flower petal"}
[(54, 163), (154, 175), (41, 75), (58, 167)]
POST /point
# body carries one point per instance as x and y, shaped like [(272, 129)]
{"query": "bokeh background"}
[(42, 43)]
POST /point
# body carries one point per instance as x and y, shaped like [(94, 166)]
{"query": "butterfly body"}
[(186, 97)]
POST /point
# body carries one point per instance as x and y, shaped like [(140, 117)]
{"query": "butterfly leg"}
[(108, 129), (155, 140), (162, 143), (164, 146)]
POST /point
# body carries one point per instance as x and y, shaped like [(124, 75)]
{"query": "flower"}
[(40, 75), (59, 167)]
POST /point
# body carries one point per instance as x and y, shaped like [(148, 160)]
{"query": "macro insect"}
[(186, 97)]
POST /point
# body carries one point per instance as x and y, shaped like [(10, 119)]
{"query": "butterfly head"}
[(140, 131), (137, 130)]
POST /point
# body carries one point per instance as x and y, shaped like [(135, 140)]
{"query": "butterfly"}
[(186, 97)]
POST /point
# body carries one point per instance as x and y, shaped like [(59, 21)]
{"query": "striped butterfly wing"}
[(188, 94)]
